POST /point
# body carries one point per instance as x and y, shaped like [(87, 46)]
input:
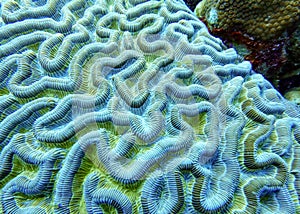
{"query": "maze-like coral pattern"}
[(132, 107)]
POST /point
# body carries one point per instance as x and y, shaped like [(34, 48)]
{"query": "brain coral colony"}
[(133, 107)]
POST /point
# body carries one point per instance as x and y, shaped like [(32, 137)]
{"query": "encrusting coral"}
[(133, 107), (263, 20)]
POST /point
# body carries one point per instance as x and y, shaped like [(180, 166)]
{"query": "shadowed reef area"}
[(133, 107)]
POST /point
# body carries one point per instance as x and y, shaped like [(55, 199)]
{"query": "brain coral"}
[(133, 107), (264, 20)]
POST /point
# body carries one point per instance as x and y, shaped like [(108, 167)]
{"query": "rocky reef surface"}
[(133, 107)]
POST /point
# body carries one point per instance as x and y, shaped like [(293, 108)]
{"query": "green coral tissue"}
[(131, 106)]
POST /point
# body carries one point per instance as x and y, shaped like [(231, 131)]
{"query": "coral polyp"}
[(133, 107)]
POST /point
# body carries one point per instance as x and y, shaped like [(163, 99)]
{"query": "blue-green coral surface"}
[(133, 107)]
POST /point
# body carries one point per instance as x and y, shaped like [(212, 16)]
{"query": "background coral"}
[(261, 33), (133, 107), (260, 19)]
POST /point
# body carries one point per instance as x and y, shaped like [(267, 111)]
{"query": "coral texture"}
[(260, 19), (133, 107)]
